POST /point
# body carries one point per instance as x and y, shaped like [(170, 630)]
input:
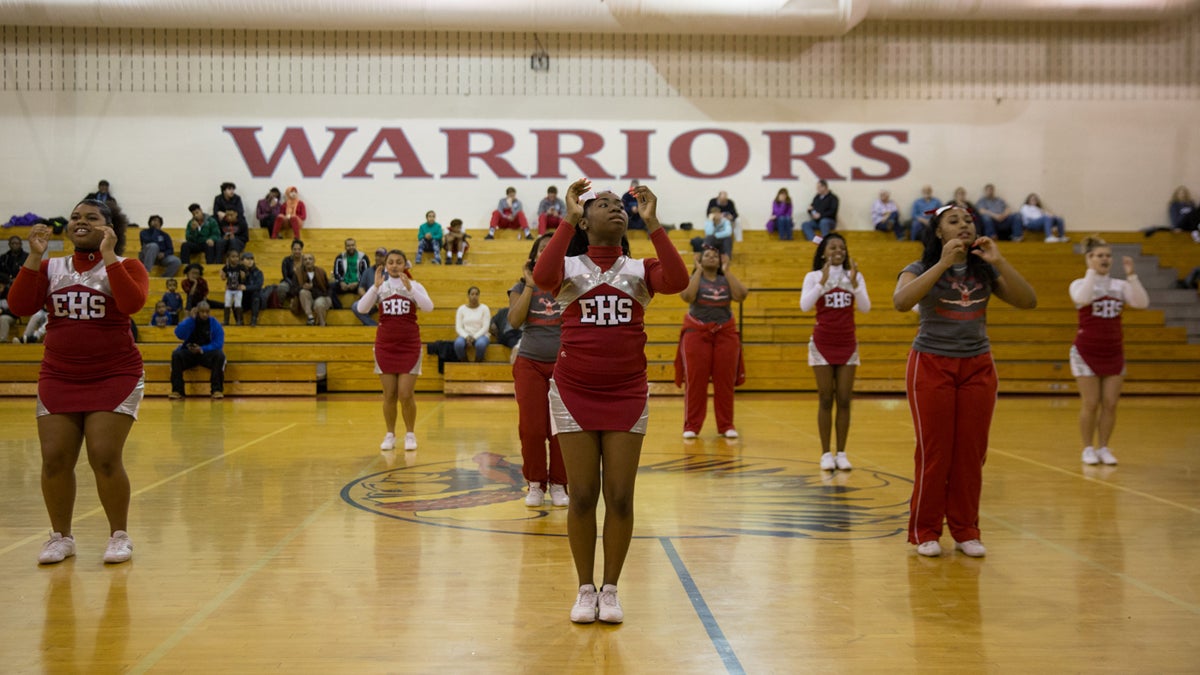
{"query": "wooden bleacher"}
[(282, 356)]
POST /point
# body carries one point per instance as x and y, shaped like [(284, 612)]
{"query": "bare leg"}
[(1110, 392), (620, 452), (845, 391), (106, 433), (581, 455), (389, 381), (825, 395), (1089, 395), (405, 387), (61, 437)]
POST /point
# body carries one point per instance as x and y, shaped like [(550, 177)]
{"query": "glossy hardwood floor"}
[(272, 536)]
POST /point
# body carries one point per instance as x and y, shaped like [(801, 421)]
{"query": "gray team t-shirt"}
[(954, 312), (542, 328)]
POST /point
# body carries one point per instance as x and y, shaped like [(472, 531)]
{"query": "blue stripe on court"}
[(732, 665)]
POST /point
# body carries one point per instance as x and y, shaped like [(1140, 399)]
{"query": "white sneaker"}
[(689, 435), (1052, 239), (389, 442), (930, 549), (1089, 456), (1196, 236), (558, 495), (828, 463), (610, 606), (536, 496), (732, 433), (57, 549), (584, 610), (971, 547), (1106, 456), (120, 548), (410, 441), (842, 462)]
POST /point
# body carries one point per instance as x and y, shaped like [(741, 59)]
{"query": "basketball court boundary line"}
[(719, 641)]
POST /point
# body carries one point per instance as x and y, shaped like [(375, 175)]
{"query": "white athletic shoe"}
[(1052, 239), (536, 496), (57, 549), (930, 549), (389, 442), (828, 463), (410, 441), (731, 433), (584, 610), (120, 548), (1089, 456), (610, 606), (689, 435), (842, 462), (558, 495), (971, 547), (1106, 456)]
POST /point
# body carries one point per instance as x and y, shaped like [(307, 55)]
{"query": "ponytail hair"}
[(1093, 242)]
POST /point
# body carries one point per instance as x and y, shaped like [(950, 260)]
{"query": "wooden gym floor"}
[(273, 536)]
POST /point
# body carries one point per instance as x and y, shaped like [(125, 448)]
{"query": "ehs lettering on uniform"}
[(395, 306), (78, 305), (1107, 308), (838, 299), (606, 310)]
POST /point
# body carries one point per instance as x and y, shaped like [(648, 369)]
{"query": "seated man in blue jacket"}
[(203, 339)]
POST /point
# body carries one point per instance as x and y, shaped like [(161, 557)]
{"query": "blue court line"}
[(732, 665)]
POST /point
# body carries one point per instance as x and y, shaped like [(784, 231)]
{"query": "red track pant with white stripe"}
[(952, 400), (531, 380), (709, 351)]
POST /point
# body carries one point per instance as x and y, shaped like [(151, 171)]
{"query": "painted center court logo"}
[(690, 496)]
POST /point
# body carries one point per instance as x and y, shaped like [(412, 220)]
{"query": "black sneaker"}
[(490, 236)]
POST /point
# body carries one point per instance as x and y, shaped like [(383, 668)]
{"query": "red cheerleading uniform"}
[(600, 374), (1099, 339), (398, 338), (91, 362), (833, 335)]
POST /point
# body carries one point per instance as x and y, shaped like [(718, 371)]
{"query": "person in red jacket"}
[(291, 213), (91, 380), (598, 393)]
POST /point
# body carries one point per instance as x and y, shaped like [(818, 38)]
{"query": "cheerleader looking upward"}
[(1098, 354), (836, 289), (598, 393)]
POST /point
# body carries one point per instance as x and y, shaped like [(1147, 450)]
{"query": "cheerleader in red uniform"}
[(91, 381), (709, 345), (951, 377), (537, 314), (836, 289), (397, 342), (1098, 355), (598, 394)]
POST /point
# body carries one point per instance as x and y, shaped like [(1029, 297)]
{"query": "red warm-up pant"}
[(710, 351), (531, 380), (293, 222), (952, 400), (498, 220)]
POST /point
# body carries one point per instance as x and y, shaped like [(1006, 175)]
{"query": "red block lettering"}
[(459, 155), (550, 154), (738, 153), (402, 154), (781, 156), (897, 164), (293, 138)]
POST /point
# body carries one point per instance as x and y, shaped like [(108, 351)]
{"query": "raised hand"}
[(853, 273), (39, 239), (574, 192), (379, 276), (954, 252), (1129, 268), (647, 204), (109, 243), (986, 248)]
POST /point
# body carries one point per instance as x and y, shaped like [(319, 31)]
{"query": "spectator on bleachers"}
[(501, 332), (1184, 213), (1034, 216), (234, 235), (456, 242), (102, 193), (161, 316), (11, 261), (885, 215), (509, 215), (292, 213), (718, 231), (255, 294), (312, 297), (195, 287), (367, 281), (822, 213), (286, 289), (234, 277), (781, 221), (549, 221), (552, 201), (7, 318), (922, 210), (997, 220), (35, 329), (268, 209), (203, 342), (429, 238), (229, 200), (723, 202), (349, 269), (157, 248), (471, 323), (173, 300), (629, 202), (201, 235)]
